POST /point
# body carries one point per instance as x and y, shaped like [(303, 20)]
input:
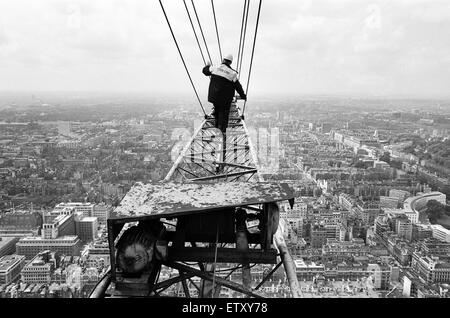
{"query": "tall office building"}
[(101, 212), (31, 246), (62, 225), (404, 228), (87, 209), (10, 267), (8, 245), (87, 228)]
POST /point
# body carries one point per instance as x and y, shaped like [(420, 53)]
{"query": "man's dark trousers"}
[(222, 114)]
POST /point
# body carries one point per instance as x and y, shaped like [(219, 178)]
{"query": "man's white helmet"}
[(229, 57)]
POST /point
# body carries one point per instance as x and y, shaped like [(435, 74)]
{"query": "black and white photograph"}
[(210, 156)]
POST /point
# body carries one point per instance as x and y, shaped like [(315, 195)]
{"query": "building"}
[(332, 231), (31, 246), (404, 228), (401, 195), (389, 202), (70, 144), (421, 232), (381, 225), (101, 212), (400, 249), (411, 283), (87, 209), (318, 236), (431, 268), (97, 255), (299, 210), (380, 276), (8, 245), (381, 165), (294, 228), (368, 212), (10, 267), (39, 270), (347, 201), (435, 247), (341, 251), (86, 228), (440, 233), (20, 220), (342, 232), (62, 225), (307, 270), (412, 205)]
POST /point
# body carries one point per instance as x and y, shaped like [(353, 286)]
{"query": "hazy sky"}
[(399, 47)]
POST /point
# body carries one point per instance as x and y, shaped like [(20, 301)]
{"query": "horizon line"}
[(256, 95)]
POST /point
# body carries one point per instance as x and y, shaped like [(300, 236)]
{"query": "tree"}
[(359, 164), (386, 157), (435, 210)]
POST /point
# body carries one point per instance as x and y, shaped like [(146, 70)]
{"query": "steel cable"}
[(181, 55), (253, 52), (201, 31), (195, 33), (217, 30)]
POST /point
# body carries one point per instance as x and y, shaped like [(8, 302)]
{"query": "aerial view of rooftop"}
[(232, 149)]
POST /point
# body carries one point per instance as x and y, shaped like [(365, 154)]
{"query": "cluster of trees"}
[(386, 157), (440, 153), (361, 164), (436, 210), (418, 143)]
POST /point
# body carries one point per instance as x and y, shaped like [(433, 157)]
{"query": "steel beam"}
[(242, 245), (185, 149), (210, 277), (268, 276), (102, 286), (224, 255), (185, 286), (171, 281), (224, 175), (288, 264)]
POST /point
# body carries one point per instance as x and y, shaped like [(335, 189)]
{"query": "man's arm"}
[(206, 70), (239, 89)]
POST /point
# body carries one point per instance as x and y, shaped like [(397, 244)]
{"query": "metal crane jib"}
[(166, 224)]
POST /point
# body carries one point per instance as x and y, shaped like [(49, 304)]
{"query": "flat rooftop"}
[(8, 260), (89, 219), (5, 240), (38, 239), (171, 199), (74, 204)]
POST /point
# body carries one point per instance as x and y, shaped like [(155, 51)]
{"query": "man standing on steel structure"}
[(224, 82)]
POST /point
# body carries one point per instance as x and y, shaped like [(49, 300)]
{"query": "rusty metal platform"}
[(157, 200)]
